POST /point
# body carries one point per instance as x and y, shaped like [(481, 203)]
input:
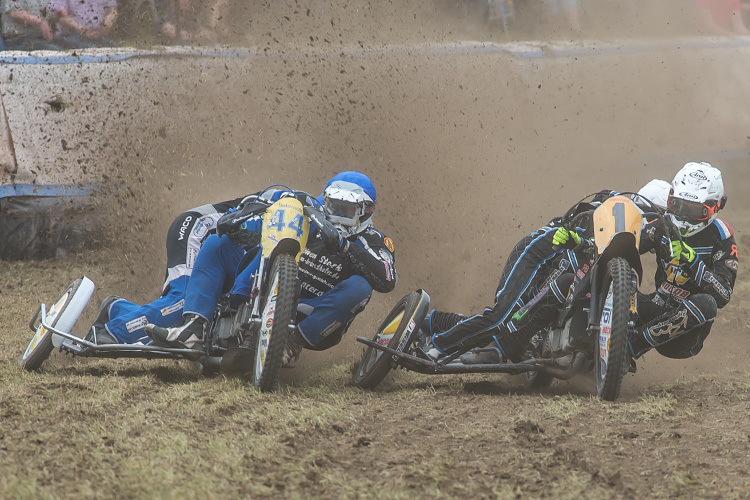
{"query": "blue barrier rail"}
[(519, 50), (47, 190)]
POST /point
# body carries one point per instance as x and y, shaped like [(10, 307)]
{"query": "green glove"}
[(683, 252), (565, 238)]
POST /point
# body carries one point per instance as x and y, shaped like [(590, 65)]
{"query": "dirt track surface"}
[(444, 137)]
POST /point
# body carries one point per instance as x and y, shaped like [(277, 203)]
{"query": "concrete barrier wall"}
[(74, 118), (174, 127)]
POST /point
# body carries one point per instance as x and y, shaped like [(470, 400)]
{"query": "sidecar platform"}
[(454, 366), (421, 365), (71, 344)]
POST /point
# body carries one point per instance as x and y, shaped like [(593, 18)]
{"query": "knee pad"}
[(355, 293), (702, 307), (694, 317), (687, 344), (560, 288)]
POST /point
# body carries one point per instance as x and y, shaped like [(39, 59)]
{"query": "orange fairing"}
[(616, 215)]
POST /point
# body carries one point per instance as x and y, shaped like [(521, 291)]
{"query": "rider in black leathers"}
[(547, 258), (694, 277)]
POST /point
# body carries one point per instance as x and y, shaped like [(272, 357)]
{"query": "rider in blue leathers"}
[(121, 321), (337, 275)]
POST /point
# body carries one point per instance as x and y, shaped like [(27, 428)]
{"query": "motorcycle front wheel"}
[(376, 364), (278, 309), (611, 356)]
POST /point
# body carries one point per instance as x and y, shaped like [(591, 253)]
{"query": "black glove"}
[(336, 244)]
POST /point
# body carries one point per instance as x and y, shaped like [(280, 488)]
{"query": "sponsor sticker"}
[(389, 244), (192, 254), (173, 308), (201, 227), (136, 324), (675, 291), (184, 227)]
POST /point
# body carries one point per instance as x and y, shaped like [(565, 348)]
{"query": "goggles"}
[(691, 210), (343, 212)]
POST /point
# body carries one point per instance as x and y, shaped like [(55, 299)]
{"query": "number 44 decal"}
[(277, 222)]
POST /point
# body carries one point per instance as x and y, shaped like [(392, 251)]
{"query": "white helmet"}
[(349, 199), (656, 191), (696, 197)]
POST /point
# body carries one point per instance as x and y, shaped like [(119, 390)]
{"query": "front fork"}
[(247, 319)]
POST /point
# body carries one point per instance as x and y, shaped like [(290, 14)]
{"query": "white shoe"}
[(188, 335), (434, 354)]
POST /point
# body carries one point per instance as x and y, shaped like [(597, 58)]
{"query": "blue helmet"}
[(349, 199)]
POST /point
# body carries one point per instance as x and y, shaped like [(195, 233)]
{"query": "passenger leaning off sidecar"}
[(120, 321), (548, 257), (694, 277), (337, 276)]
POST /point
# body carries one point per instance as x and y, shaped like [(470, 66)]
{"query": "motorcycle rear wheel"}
[(63, 314), (611, 356), (279, 307), (376, 364)]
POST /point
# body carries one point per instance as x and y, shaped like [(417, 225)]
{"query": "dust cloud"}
[(470, 150)]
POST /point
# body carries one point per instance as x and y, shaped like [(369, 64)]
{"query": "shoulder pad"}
[(375, 238), (725, 230), (371, 231)]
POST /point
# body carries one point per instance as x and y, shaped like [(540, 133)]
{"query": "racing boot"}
[(292, 352), (98, 333), (637, 342), (102, 317), (188, 335), (438, 322)]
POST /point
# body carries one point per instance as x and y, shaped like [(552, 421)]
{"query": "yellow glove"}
[(565, 238), (683, 252)]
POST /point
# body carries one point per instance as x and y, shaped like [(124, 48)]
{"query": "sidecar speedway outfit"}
[(691, 286), (533, 264), (123, 321), (337, 279)]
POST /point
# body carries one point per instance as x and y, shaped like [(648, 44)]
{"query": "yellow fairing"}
[(616, 215), (393, 325), (285, 219)]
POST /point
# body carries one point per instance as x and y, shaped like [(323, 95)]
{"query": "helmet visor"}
[(690, 210), (343, 212)]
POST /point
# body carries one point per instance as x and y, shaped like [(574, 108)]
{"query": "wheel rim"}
[(38, 336), (384, 338), (51, 316), (266, 325)]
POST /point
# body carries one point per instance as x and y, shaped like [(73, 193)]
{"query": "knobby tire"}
[(286, 309), (376, 364), (619, 277)]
